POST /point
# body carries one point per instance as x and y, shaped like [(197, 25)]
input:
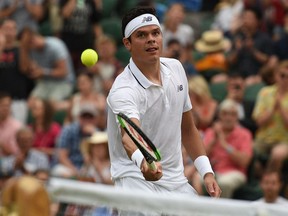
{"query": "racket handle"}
[(152, 165)]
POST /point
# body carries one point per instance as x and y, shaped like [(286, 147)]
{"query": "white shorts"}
[(140, 184), (143, 185)]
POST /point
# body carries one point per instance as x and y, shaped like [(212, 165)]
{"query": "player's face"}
[(145, 45)]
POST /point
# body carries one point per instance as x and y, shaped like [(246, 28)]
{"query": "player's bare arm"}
[(195, 148), (130, 147)]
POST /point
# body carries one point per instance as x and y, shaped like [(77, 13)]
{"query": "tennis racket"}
[(143, 143)]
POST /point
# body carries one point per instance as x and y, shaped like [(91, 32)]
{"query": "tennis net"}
[(86, 198)]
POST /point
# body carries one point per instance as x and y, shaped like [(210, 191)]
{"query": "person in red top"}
[(229, 148), (46, 130)]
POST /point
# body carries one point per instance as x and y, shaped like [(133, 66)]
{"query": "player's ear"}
[(127, 43)]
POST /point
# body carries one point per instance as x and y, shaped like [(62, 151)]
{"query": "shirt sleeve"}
[(125, 100)]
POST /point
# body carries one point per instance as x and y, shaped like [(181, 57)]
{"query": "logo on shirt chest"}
[(179, 88)]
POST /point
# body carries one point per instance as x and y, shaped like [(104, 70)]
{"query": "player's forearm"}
[(128, 144), (190, 137)]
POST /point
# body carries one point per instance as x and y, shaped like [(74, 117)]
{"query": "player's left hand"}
[(149, 174), (211, 185)]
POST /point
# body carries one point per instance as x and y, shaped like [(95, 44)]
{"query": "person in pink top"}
[(8, 126), (229, 148), (45, 129)]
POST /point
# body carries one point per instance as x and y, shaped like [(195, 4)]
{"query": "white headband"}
[(140, 21)]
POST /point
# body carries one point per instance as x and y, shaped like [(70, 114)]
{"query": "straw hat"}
[(212, 41), (96, 138)]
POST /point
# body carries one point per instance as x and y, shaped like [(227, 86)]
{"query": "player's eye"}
[(141, 35), (156, 33)]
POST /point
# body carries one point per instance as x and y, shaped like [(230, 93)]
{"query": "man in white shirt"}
[(271, 185), (153, 93)]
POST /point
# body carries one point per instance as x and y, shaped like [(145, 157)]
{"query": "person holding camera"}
[(235, 90)]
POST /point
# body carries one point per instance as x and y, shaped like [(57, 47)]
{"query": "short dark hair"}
[(135, 12)]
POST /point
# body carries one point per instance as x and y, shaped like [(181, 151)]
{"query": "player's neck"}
[(152, 73)]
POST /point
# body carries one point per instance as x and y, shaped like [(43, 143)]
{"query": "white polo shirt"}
[(159, 110)]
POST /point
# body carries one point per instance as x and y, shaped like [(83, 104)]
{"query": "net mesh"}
[(82, 198)]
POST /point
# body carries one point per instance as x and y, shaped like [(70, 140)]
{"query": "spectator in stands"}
[(69, 157), (229, 148), (204, 106), (8, 126), (183, 54), (81, 22), (271, 185), (273, 17), (108, 66), (11, 71), (47, 60), (25, 13), (160, 7), (189, 5), (46, 130), (251, 48), (271, 116), (235, 91), (213, 65), (96, 156), (85, 94), (173, 26), (227, 13), (281, 45), (27, 160)]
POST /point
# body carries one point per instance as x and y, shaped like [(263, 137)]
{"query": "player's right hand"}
[(149, 174)]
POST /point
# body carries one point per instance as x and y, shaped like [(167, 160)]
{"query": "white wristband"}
[(203, 165), (137, 158)]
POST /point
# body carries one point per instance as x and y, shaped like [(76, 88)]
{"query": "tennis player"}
[(152, 91)]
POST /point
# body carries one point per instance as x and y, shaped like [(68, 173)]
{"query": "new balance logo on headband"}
[(147, 19)]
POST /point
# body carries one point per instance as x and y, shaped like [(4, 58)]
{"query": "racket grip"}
[(152, 165)]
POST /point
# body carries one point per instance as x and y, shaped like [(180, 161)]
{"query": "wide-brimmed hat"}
[(96, 138), (212, 41)]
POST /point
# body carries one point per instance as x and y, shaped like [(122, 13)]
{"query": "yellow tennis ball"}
[(89, 57)]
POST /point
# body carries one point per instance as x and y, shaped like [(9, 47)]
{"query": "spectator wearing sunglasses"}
[(271, 116)]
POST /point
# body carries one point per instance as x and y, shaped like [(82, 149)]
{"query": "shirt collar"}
[(142, 80)]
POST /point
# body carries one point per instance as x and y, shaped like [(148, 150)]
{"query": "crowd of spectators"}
[(53, 109)]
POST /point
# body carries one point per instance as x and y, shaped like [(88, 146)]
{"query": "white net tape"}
[(91, 194)]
